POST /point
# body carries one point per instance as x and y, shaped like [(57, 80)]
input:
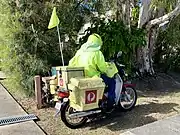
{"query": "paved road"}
[(9, 107), (170, 126)]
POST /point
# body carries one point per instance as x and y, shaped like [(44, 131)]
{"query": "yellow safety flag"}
[(54, 21)]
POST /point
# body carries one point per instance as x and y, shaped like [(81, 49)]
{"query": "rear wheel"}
[(69, 122), (128, 99)]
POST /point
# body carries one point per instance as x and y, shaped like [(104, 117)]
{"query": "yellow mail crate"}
[(68, 72), (53, 84), (85, 93)]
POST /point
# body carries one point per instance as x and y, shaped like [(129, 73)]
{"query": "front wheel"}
[(69, 122), (128, 99)]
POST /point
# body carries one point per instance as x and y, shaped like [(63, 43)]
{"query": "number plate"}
[(58, 105)]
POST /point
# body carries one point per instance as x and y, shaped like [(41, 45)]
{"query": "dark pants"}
[(111, 88)]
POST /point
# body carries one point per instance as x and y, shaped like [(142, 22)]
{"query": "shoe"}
[(110, 109)]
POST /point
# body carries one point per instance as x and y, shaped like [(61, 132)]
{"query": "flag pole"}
[(60, 45)]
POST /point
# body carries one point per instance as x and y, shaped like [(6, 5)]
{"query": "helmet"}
[(95, 38)]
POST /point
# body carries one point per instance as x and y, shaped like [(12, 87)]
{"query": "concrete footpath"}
[(9, 107), (169, 126)]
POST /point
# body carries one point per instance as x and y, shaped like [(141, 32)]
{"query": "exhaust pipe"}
[(83, 114)]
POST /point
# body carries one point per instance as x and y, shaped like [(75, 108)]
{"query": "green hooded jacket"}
[(91, 58)]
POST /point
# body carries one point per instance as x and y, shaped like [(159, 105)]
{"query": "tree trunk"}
[(144, 54), (147, 53), (164, 18), (124, 12), (152, 36), (143, 58), (17, 3)]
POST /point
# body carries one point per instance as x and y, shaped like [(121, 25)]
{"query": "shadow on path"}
[(139, 116)]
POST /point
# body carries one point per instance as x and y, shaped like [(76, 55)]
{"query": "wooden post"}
[(38, 94)]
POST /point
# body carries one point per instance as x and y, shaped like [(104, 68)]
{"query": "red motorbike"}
[(125, 100)]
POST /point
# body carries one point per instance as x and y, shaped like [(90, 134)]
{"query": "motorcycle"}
[(126, 97)]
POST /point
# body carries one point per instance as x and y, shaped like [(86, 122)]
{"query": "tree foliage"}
[(168, 5), (27, 46), (116, 37), (167, 52)]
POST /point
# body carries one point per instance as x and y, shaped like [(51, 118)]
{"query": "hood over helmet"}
[(93, 43)]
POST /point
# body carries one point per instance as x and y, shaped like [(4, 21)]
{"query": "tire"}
[(66, 122), (134, 102)]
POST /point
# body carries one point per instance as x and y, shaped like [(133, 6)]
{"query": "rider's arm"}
[(100, 62)]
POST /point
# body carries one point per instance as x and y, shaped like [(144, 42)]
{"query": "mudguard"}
[(125, 85)]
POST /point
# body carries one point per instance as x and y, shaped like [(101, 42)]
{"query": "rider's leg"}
[(111, 89)]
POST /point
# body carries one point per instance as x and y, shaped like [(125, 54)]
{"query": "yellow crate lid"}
[(83, 83), (53, 81), (71, 87), (67, 68)]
